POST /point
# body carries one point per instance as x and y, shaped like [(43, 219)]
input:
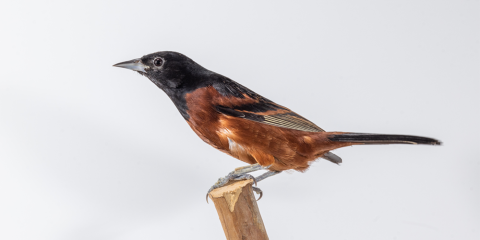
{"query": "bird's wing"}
[(271, 114), (252, 106)]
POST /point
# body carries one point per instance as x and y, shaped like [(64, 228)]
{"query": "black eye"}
[(158, 62)]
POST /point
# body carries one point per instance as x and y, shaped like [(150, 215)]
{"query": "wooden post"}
[(238, 211)]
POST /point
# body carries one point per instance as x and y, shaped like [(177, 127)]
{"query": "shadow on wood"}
[(238, 211)]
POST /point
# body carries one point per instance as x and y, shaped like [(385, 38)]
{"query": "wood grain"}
[(238, 211)]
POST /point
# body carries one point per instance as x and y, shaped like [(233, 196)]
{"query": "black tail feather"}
[(369, 138)]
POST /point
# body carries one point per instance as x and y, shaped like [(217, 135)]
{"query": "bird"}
[(245, 125)]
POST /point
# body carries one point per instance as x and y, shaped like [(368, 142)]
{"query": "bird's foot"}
[(258, 191), (233, 176)]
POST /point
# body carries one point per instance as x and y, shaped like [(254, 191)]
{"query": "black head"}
[(177, 75), (168, 70)]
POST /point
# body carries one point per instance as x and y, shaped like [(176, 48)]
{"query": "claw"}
[(261, 195), (258, 191), (209, 190)]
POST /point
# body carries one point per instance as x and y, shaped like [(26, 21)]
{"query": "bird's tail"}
[(370, 138)]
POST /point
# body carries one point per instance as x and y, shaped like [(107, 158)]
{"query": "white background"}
[(88, 151)]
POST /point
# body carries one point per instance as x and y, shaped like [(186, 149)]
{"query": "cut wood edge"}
[(230, 192)]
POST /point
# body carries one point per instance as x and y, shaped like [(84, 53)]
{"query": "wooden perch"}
[(238, 211)]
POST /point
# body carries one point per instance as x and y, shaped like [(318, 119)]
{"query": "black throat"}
[(222, 84)]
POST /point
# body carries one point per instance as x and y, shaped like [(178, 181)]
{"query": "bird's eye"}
[(158, 62)]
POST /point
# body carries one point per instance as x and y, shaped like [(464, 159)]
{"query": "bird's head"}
[(168, 70)]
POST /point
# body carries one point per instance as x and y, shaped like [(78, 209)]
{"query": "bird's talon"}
[(258, 191), (261, 195)]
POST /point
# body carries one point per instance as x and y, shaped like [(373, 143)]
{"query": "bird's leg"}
[(262, 177), (249, 168), (240, 173), (266, 175)]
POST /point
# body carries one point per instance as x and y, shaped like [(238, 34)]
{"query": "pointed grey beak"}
[(135, 65)]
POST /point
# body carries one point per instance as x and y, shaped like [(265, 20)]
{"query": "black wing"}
[(286, 119), (263, 111)]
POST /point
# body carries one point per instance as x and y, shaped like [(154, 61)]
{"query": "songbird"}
[(245, 125)]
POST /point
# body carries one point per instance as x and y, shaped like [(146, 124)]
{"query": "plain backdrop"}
[(89, 151)]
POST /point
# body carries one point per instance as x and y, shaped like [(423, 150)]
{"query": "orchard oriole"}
[(245, 125)]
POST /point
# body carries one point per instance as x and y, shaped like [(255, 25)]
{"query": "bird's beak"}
[(135, 65)]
